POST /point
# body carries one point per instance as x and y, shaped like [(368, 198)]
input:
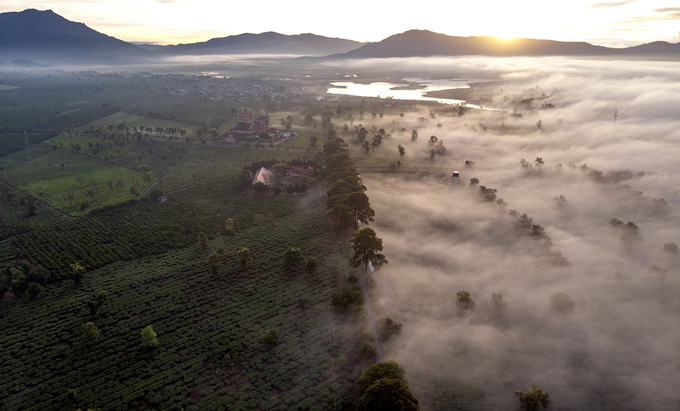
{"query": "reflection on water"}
[(400, 91)]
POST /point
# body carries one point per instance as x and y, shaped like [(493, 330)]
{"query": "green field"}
[(210, 330), (21, 156), (107, 150), (11, 143), (65, 179), (133, 120)]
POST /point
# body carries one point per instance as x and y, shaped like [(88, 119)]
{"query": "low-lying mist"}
[(604, 222)]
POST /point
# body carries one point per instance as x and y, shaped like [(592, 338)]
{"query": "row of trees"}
[(384, 387), (347, 200)]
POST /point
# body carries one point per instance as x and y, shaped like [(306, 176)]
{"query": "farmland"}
[(210, 330), (137, 121), (66, 179), (204, 163)]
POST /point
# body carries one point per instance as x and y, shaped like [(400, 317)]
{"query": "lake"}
[(400, 91)]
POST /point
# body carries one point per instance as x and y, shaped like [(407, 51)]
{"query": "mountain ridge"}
[(425, 43), (265, 43), (46, 37)]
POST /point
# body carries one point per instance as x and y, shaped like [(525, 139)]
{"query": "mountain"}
[(45, 36), (265, 43), (423, 43)]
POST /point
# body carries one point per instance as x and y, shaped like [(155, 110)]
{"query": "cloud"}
[(664, 13), (610, 4), (621, 343)]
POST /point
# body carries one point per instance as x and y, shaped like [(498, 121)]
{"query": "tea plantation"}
[(211, 353)]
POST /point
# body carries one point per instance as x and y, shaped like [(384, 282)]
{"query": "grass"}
[(115, 149), (302, 141), (64, 179), (20, 156), (15, 215), (133, 120)]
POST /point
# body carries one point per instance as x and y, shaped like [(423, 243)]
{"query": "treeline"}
[(347, 200), (524, 223)]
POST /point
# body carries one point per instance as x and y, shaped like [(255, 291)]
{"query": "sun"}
[(505, 36)]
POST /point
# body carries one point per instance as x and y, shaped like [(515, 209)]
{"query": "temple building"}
[(250, 128)]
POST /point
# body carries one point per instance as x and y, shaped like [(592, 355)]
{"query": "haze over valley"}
[(298, 221)]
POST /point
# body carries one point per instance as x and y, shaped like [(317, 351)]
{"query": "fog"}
[(619, 348)]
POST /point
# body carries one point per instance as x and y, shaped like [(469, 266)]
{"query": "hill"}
[(44, 36), (423, 43), (265, 43)]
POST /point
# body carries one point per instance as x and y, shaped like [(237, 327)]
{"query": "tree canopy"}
[(533, 399), (385, 369), (149, 337), (367, 247), (387, 394), (292, 258)]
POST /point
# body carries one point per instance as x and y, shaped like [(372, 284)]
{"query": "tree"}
[(90, 331), (78, 272), (360, 206), (533, 399), (260, 187), (214, 263), (670, 248), (366, 146), (149, 337), (389, 328), (387, 394), (97, 303), (368, 350), (465, 300), (8, 297), (292, 258), (401, 149), (310, 267), (271, 338), (203, 241), (243, 257), (362, 134), (34, 290), (561, 303), (386, 369), (367, 246), (312, 142), (432, 154), (414, 135), (498, 303), (230, 226)]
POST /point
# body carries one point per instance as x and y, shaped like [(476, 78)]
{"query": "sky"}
[(613, 23)]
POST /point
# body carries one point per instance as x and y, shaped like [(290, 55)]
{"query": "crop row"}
[(210, 329)]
